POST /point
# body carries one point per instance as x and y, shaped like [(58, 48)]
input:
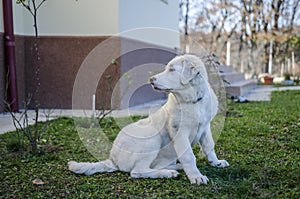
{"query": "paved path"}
[(261, 93), (6, 122)]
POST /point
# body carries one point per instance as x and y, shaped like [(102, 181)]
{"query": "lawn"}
[(260, 140)]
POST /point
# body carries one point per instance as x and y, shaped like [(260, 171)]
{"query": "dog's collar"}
[(196, 101), (189, 102)]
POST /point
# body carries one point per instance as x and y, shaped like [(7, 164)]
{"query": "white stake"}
[(94, 105), (187, 48), (242, 67), (289, 66), (282, 70), (270, 57), (228, 54), (293, 64)]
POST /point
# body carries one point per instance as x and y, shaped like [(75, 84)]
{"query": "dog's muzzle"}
[(157, 86)]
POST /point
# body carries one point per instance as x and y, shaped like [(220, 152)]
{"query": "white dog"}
[(158, 146)]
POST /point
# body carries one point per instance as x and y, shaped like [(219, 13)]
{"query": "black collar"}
[(196, 101)]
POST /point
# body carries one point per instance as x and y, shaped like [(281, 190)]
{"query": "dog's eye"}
[(171, 69)]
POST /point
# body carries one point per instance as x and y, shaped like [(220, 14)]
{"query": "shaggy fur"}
[(158, 146)]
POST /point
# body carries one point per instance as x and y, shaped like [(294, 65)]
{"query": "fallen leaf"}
[(38, 182)]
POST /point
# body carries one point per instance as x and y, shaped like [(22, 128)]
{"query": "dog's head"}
[(178, 74)]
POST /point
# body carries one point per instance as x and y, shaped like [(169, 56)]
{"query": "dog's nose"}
[(152, 79)]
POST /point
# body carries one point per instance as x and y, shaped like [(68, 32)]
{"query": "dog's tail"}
[(88, 168)]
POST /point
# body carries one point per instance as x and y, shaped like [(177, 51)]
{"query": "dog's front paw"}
[(220, 164), (198, 179)]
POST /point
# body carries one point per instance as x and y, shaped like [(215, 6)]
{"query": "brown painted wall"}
[(60, 59), (20, 66)]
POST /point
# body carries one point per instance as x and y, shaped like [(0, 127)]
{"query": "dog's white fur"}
[(158, 146)]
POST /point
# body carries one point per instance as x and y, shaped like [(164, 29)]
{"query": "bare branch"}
[(27, 6), (41, 3)]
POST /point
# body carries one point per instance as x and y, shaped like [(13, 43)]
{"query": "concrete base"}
[(236, 85)]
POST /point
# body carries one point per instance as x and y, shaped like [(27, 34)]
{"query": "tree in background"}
[(184, 7), (251, 26)]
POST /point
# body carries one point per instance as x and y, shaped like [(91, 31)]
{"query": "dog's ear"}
[(189, 71)]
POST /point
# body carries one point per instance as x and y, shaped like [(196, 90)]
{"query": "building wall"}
[(1, 16), (139, 62), (100, 18), (69, 30), (20, 67), (151, 21), (60, 59), (70, 17), (150, 29)]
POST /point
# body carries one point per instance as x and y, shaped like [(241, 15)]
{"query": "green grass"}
[(261, 141)]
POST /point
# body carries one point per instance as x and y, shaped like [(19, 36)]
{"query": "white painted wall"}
[(70, 17), (21, 20), (103, 17), (141, 14)]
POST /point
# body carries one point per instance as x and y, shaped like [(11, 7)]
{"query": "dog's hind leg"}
[(142, 169), (207, 143)]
